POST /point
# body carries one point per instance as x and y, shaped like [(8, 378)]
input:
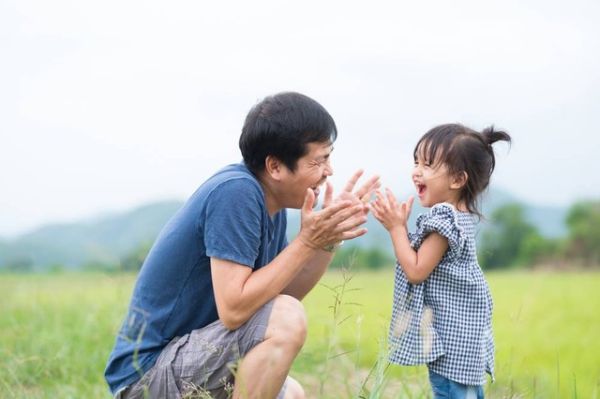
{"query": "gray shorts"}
[(203, 361)]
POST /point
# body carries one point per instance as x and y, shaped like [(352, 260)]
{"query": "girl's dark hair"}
[(463, 149), (282, 125)]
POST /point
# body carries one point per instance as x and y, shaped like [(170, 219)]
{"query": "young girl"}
[(442, 304)]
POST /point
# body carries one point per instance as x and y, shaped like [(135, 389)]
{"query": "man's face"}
[(311, 171)]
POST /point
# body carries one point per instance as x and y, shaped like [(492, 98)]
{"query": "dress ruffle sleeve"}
[(441, 219)]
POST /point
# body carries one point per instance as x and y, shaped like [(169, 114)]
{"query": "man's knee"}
[(287, 323), (293, 389)]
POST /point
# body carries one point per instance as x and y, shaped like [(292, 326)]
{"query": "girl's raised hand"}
[(389, 212)]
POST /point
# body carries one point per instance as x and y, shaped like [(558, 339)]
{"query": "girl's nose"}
[(416, 171)]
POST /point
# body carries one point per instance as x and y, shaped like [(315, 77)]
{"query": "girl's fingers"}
[(377, 206), (380, 197), (390, 196)]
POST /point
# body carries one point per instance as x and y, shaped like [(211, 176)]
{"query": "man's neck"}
[(272, 205)]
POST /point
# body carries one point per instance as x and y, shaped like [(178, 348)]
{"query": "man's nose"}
[(328, 169)]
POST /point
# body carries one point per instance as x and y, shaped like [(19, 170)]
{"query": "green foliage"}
[(511, 240), (583, 221), (361, 258), (536, 249)]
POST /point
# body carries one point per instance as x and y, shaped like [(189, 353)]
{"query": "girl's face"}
[(433, 182)]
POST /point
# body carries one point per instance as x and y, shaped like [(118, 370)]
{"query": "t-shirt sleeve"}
[(441, 219), (232, 228)]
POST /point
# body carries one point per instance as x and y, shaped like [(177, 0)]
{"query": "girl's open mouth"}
[(421, 189)]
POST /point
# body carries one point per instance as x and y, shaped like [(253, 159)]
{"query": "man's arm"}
[(309, 275), (239, 292)]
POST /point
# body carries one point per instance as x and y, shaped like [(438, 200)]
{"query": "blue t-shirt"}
[(225, 218)]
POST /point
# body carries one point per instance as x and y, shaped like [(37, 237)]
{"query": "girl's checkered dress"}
[(445, 321)]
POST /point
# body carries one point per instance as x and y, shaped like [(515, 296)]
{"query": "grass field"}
[(56, 332)]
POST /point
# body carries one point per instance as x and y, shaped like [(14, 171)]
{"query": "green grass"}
[(56, 332)]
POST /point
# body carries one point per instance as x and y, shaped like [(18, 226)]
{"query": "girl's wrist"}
[(398, 228)]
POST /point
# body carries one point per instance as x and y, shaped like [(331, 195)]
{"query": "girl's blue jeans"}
[(444, 388)]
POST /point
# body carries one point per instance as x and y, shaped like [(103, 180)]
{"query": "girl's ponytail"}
[(490, 136)]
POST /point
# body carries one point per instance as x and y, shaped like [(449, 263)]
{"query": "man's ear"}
[(273, 167), (459, 180)]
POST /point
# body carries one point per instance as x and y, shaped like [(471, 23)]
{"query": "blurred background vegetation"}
[(512, 235)]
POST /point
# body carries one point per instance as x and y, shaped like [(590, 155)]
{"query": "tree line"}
[(508, 240), (511, 241)]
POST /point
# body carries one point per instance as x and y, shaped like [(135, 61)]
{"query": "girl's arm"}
[(417, 265)]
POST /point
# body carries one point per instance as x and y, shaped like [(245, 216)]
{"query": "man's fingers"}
[(334, 208), (328, 194), (344, 214), (348, 235), (352, 182), (350, 224), (370, 185), (409, 204), (309, 201)]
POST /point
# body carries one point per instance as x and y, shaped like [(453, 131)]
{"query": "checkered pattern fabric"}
[(445, 321)]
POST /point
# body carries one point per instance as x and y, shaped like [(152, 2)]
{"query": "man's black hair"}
[(282, 125)]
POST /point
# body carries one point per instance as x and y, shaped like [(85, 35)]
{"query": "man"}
[(215, 308)]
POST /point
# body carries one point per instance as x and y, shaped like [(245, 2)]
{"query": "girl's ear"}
[(459, 180), (273, 167)]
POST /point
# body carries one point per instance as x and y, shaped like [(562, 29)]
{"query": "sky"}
[(105, 106)]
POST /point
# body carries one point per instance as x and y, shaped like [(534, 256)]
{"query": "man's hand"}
[(339, 218), (361, 195), (334, 223), (389, 212)]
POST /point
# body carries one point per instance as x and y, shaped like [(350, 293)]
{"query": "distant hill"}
[(100, 240), (107, 239)]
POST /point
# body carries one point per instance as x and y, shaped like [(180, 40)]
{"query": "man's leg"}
[(263, 370), (293, 389)]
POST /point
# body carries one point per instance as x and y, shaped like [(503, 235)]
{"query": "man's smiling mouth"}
[(317, 189)]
